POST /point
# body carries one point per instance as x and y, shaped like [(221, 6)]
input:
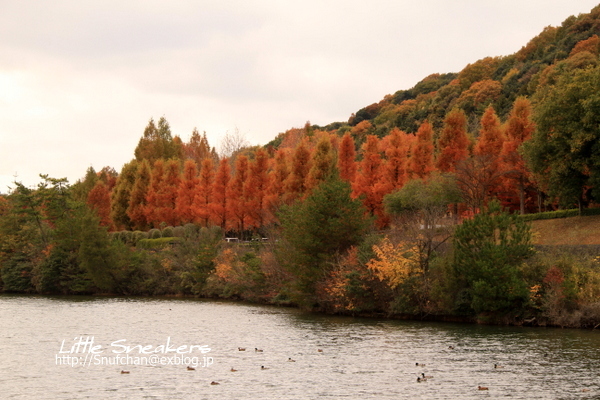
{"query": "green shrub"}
[(179, 231), (154, 234), (157, 244), (139, 235), (191, 229), (127, 237), (560, 214), (168, 232)]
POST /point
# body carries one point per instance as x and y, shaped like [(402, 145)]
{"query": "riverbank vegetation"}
[(418, 206)]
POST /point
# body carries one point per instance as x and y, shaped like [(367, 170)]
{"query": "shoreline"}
[(481, 320)]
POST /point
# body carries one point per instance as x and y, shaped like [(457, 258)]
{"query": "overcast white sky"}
[(79, 80)]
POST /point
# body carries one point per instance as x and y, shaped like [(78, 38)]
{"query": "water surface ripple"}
[(358, 358)]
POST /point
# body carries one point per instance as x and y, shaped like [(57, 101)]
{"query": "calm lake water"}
[(359, 358)]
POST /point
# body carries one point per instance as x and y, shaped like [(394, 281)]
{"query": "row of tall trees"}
[(245, 191)]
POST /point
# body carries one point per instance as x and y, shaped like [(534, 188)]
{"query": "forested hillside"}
[(408, 208)]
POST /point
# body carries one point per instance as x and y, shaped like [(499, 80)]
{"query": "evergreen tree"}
[(122, 194), (136, 211), (326, 224), (488, 252)]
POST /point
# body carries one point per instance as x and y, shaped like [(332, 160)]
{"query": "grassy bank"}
[(573, 231)]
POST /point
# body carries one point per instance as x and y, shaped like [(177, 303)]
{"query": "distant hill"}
[(492, 80)]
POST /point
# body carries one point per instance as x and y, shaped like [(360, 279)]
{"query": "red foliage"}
[(99, 201), (491, 137), (367, 182), (421, 160), (346, 159), (188, 186), (203, 198), (239, 203), (220, 207), (453, 145), (137, 203), (396, 146), (519, 129), (295, 184), (255, 189)]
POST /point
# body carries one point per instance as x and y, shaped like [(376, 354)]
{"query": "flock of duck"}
[(423, 378), (420, 378), (256, 350)]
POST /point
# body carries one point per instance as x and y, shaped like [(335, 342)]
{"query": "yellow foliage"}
[(534, 293), (393, 263), (224, 267), (167, 264)]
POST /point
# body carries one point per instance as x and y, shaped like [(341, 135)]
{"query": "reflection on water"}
[(334, 357)]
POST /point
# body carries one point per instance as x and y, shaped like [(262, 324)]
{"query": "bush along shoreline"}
[(323, 256)]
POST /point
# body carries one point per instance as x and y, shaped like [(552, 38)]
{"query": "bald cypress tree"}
[(121, 195)]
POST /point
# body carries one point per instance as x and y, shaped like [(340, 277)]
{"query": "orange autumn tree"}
[(137, 203), (361, 130), (255, 189), (295, 186), (519, 129), (491, 137), (277, 178), (367, 182), (347, 159), (239, 203), (396, 146), (322, 162), (421, 159), (453, 144), (153, 194), (203, 198), (197, 148), (168, 194), (99, 200), (184, 206), (488, 148), (220, 206)]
